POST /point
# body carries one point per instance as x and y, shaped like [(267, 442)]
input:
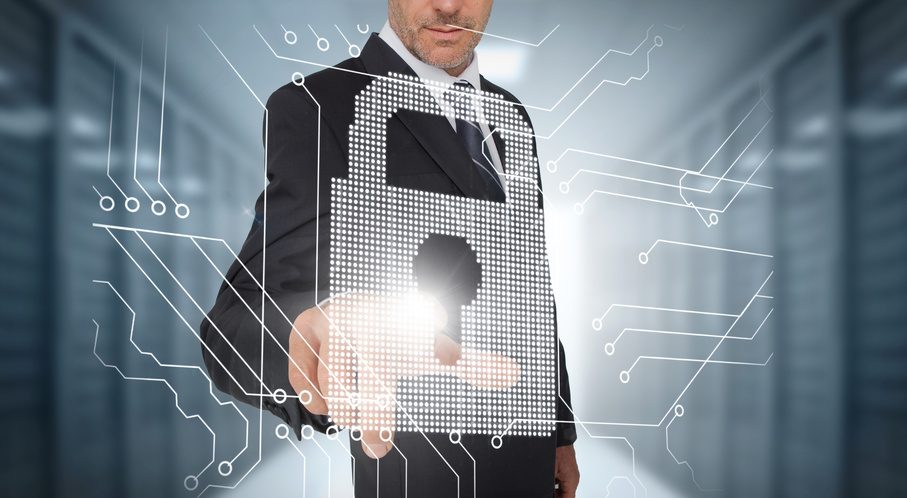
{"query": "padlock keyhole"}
[(447, 268)]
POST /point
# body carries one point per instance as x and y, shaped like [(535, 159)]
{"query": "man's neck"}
[(458, 70)]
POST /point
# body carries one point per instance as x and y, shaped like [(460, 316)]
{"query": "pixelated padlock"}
[(382, 370)]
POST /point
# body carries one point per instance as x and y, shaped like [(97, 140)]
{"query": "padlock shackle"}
[(384, 97)]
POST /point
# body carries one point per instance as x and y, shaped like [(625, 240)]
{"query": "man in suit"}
[(269, 322)]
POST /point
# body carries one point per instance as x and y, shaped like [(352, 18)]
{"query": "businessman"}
[(275, 342)]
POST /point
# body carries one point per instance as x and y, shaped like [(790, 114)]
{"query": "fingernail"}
[(447, 351), (376, 450)]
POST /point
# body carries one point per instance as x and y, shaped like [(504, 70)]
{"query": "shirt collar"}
[(427, 71)]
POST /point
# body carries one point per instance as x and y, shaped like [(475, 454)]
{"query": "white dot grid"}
[(376, 231)]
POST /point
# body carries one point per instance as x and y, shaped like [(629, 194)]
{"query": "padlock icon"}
[(381, 369)]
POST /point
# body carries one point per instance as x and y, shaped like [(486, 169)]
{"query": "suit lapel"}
[(432, 131), (496, 137)]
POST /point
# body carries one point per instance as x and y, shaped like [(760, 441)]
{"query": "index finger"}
[(377, 413), (305, 345)]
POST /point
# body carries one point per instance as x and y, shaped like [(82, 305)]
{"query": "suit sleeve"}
[(565, 429), (245, 336)]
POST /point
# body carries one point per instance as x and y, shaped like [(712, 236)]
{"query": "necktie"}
[(475, 143)]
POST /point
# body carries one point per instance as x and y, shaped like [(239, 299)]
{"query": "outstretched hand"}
[(367, 398)]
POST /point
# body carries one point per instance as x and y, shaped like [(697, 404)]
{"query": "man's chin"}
[(444, 56)]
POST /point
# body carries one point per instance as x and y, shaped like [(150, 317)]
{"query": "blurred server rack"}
[(149, 413), (191, 147), (655, 222), (26, 290), (809, 260), (698, 432), (749, 404), (93, 435), (695, 281), (782, 434), (875, 55), (833, 421), (88, 404)]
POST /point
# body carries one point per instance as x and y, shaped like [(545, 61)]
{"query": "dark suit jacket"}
[(306, 126)]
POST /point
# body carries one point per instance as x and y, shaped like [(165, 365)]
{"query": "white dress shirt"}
[(432, 73)]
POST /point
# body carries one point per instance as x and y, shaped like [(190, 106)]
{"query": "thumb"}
[(377, 412)]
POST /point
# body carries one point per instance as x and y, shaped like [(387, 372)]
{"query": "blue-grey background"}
[(825, 417)]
